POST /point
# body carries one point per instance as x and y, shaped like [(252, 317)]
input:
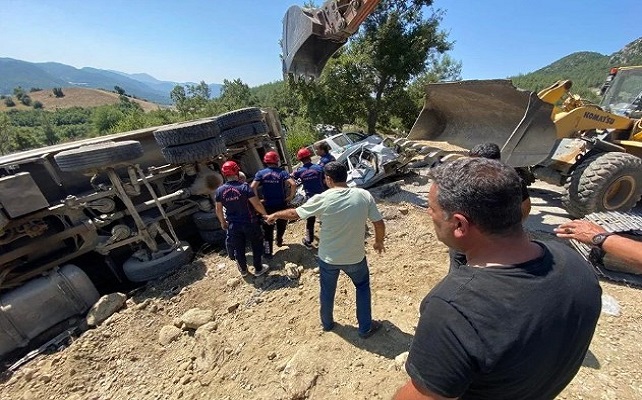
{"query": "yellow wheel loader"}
[(594, 151)]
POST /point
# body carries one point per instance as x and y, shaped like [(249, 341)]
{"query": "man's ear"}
[(462, 225)]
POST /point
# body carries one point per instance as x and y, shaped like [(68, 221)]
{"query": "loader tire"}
[(187, 132), (98, 155), (207, 221), (239, 117), (216, 237), (244, 132), (604, 182), (193, 152)]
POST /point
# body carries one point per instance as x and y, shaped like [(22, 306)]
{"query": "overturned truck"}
[(76, 217)]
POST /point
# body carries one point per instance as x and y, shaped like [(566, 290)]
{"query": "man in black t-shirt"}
[(513, 319)]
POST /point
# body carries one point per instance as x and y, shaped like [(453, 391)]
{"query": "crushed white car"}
[(369, 163)]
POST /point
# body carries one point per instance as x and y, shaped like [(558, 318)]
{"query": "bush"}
[(26, 100), (8, 101), (37, 105), (58, 92), (300, 134)]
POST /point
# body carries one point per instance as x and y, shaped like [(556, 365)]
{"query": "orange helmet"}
[(271, 157), (303, 153), (230, 168)]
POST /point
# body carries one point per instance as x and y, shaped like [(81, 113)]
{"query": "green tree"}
[(18, 92), (179, 97), (119, 90), (58, 92), (25, 99), (5, 131), (37, 105), (8, 101), (236, 94)]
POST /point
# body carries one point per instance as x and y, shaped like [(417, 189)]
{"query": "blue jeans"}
[(360, 276)]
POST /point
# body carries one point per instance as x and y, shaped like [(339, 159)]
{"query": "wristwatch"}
[(598, 240)]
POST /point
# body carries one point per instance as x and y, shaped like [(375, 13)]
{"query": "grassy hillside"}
[(74, 97)]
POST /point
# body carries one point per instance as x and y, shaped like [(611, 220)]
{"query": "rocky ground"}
[(205, 333)]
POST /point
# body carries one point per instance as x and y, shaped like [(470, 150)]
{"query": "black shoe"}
[(307, 244), (374, 327), (279, 242), (242, 270)]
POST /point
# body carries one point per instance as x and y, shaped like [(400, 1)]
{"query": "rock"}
[(104, 308), (292, 270), (168, 334), (233, 282), (316, 270), (404, 210), (233, 307), (196, 317), (400, 360), (207, 328)]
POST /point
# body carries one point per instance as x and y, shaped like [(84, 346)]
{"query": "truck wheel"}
[(193, 152), (98, 155), (244, 132), (141, 271), (604, 182), (216, 237), (188, 132), (239, 117), (206, 221)]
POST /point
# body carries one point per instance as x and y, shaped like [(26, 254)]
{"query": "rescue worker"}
[(278, 189), (323, 150), (240, 220), (312, 177)]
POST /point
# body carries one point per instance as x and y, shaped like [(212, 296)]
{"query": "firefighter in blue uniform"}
[(240, 219), (311, 176), (278, 189)]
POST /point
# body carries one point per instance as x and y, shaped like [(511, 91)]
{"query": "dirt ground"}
[(264, 340)]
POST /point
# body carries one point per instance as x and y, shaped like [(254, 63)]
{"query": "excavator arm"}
[(312, 35)]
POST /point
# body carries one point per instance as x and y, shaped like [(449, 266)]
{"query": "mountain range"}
[(48, 75)]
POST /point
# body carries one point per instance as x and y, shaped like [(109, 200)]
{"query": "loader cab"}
[(623, 92)]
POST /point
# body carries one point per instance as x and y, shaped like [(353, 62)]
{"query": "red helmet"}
[(271, 157), (303, 153), (230, 168)]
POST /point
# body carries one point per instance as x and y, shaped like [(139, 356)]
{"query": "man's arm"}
[(289, 214), (258, 206), (255, 187), (219, 215), (623, 248), (410, 391), (380, 234), (291, 190)]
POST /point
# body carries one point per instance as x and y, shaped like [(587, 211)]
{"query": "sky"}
[(212, 40)]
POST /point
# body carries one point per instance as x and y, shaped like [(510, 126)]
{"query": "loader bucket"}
[(467, 113), (305, 50)]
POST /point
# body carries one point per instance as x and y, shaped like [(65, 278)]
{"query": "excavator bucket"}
[(305, 49), (467, 113)]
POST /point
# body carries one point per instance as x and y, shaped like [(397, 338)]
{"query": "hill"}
[(48, 75), (75, 97), (586, 69)]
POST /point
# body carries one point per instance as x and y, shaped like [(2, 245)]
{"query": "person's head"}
[(242, 177), (335, 172), (271, 158), (304, 155), (486, 150), (474, 193), (321, 148), (230, 170)]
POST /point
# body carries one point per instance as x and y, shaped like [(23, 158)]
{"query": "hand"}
[(270, 219), (225, 225), (379, 247), (580, 230)]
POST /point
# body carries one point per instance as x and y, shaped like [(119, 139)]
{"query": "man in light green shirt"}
[(344, 212)]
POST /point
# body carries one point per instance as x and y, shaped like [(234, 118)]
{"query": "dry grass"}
[(74, 97)]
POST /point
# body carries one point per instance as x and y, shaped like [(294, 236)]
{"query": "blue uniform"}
[(326, 158), (272, 181), (273, 184), (311, 176), (243, 223)]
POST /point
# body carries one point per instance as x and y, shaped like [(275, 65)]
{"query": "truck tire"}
[(141, 271), (239, 117), (98, 155), (206, 221), (604, 182), (188, 132), (216, 237), (193, 152), (244, 132)]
